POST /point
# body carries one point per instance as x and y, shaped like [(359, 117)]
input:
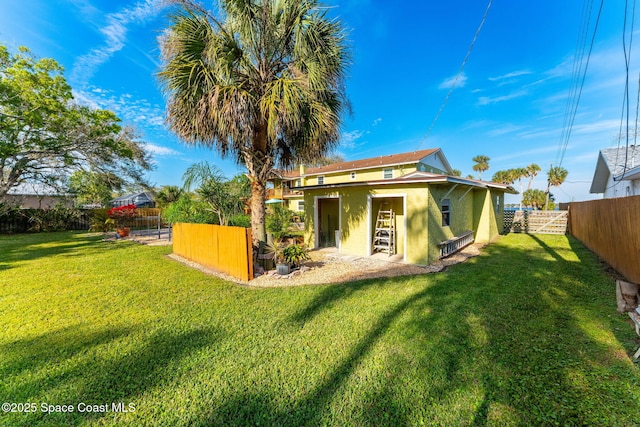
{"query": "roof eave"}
[(600, 176)]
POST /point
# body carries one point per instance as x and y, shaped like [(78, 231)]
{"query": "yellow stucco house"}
[(404, 204)]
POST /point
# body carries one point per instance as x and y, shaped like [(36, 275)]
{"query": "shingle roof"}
[(616, 157), (424, 177), (612, 161), (390, 160)]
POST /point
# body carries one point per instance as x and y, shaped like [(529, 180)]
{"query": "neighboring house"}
[(286, 187), (141, 200), (342, 202), (37, 201), (617, 172), (34, 196)]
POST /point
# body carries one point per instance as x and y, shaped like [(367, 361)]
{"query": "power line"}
[(625, 98), (455, 80), (574, 109), (578, 60)]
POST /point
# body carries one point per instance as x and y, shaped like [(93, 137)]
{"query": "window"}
[(387, 173), (321, 180), (446, 214), (353, 175), (298, 183), (300, 205)]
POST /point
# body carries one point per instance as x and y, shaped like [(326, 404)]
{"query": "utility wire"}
[(455, 80), (624, 119), (565, 143), (578, 60), (627, 60)]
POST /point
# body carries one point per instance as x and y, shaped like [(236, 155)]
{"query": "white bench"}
[(635, 316)]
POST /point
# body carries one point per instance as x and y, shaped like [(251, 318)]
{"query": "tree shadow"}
[(518, 336), (134, 361), (29, 247)]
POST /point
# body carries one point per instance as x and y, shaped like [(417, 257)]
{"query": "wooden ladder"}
[(384, 237)]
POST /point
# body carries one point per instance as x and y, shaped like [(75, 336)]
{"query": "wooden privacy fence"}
[(226, 249), (536, 222), (611, 229)]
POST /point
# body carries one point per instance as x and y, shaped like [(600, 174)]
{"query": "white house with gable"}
[(617, 172)]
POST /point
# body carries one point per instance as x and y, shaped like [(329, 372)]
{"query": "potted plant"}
[(295, 254), (276, 251), (122, 216)]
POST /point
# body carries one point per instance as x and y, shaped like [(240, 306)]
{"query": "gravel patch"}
[(325, 268)]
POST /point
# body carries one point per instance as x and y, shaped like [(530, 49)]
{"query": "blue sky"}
[(509, 103)]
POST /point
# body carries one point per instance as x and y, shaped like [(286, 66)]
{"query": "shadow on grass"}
[(522, 335), (28, 247), (74, 358)]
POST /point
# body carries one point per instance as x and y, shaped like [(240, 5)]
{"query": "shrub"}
[(58, 218), (240, 221), (278, 223), (294, 254), (101, 222), (186, 209), (122, 215)]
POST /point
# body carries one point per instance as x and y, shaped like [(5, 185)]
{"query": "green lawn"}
[(526, 334)]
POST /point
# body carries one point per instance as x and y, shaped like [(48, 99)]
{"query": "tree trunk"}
[(258, 228), (520, 204)]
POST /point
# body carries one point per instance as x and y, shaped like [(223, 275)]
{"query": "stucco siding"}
[(364, 175), (488, 215), (418, 216)]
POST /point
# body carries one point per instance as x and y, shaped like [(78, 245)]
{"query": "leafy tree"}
[(224, 198), (555, 178), (456, 172), (481, 164), (94, 188), (261, 80), (167, 194), (45, 136), (531, 172)]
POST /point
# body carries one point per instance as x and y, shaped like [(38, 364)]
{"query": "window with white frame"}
[(387, 173), (298, 183), (300, 205), (321, 180), (353, 175)]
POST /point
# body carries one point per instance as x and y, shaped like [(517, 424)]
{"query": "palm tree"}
[(555, 178), (225, 198), (167, 195), (516, 175), (482, 164), (503, 177), (531, 172), (261, 81)]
